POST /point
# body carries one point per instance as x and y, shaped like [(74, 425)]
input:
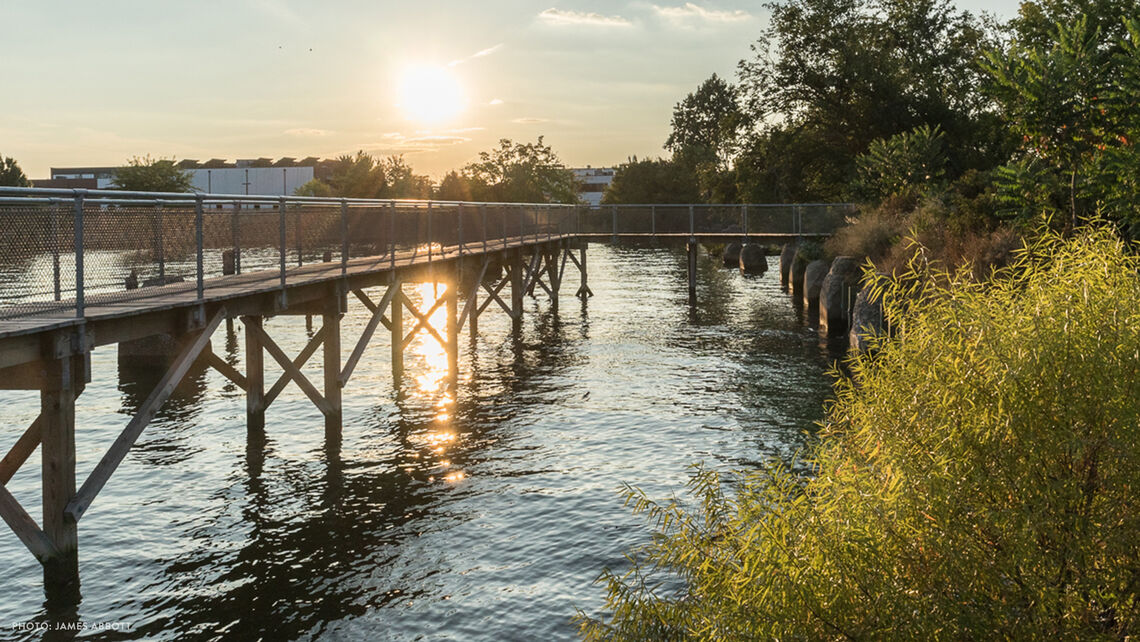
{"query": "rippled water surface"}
[(486, 516)]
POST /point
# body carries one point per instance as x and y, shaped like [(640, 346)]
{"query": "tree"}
[(652, 181), (402, 182), (454, 187), (974, 479), (833, 75), (907, 163), (1073, 102), (705, 123), (364, 176), (148, 174), (521, 173), (10, 173)]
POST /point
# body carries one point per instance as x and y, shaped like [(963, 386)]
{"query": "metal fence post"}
[(483, 212), (744, 216), (282, 239), (199, 240), (613, 210), (78, 212), (392, 231), (653, 220), (429, 240), (300, 254), (236, 223), (459, 228), (692, 223), (55, 253), (343, 237), (159, 245)]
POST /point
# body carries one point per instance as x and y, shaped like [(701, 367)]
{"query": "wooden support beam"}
[(366, 336), (299, 362), (255, 376), (21, 451), (584, 288), (691, 248), (292, 371), (365, 300), (397, 329), (494, 296), (25, 527), (452, 347), (57, 475), (122, 444), (532, 272), (516, 263), (424, 320), (471, 306), (333, 420), (221, 365)]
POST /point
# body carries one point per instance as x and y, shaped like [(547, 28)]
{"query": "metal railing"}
[(63, 250)]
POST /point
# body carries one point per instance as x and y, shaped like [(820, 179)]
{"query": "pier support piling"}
[(57, 425), (254, 375), (333, 419), (396, 325), (691, 247), (452, 304)]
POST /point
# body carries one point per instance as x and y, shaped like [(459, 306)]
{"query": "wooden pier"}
[(486, 256)]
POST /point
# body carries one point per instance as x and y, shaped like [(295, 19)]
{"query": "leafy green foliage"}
[(907, 163), (148, 174), (652, 181), (521, 173), (975, 479), (1073, 100), (830, 76), (365, 176), (10, 173)]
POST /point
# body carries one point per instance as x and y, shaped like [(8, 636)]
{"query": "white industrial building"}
[(592, 183), (282, 179)]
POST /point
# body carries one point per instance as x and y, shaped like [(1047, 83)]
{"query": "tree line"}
[(509, 173), (865, 100)]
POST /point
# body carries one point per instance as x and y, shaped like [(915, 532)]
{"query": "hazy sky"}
[(94, 83)]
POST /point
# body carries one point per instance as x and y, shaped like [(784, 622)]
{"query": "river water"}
[(483, 516)]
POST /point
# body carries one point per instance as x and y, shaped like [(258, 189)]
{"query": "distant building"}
[(261, 176), (593, 181)]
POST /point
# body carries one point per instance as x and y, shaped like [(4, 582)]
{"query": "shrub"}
[(977, 479)]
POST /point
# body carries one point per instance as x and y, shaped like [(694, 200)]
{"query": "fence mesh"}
[(135, 249)]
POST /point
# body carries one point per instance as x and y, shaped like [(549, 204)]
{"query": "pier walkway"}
[(81, 269)]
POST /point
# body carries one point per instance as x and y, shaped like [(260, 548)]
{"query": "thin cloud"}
[(496, 101), (529, 121), (689, 13), (478, 54), (562, 18), (306, 131), (399, 143)]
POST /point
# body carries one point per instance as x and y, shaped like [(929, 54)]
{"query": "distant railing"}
[(63, 250)]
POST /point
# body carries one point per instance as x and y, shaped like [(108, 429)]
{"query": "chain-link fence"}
[(62, 251)]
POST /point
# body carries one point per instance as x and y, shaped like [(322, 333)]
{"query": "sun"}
[(430, 94)]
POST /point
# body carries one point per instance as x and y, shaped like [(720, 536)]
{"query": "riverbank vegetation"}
[(975, 479)]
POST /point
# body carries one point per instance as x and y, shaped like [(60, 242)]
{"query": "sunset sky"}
[(94, 83)]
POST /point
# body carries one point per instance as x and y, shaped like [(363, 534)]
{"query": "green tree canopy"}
[(10, 173), (364, 176), (830, 76), (652, 181), (148, 174), (1074, 101), (521, 173)]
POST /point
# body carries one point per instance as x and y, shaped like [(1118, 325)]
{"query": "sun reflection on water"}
[(430, 385)]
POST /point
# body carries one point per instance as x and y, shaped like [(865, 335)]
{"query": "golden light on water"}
[(433, 376), (430, 94)]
